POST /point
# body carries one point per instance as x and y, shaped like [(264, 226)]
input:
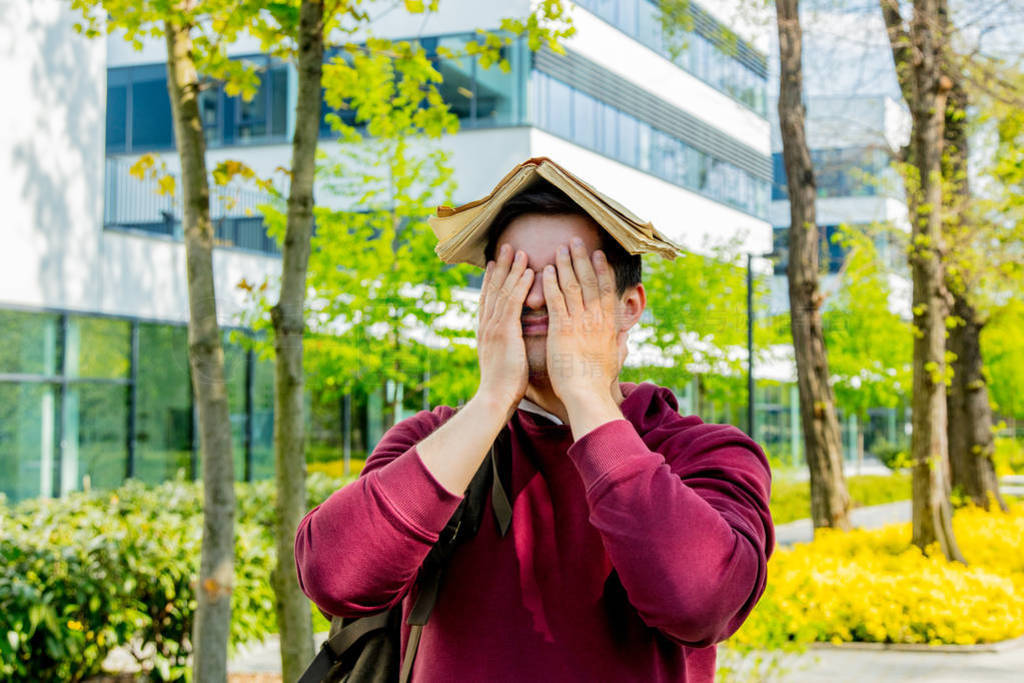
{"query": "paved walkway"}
[(873, 517), (837, 665)]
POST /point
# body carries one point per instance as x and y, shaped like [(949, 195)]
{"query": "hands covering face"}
[(585, 348)]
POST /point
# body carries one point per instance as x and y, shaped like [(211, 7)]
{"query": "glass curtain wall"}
[(568, 113), (89, 401), (709, 51)]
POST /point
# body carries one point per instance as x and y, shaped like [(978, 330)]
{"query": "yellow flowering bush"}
[(874, 586)]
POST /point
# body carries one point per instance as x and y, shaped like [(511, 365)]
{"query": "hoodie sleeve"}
[(359, 551), (687, 528)]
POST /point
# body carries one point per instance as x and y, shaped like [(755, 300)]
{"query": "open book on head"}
[(462, 231)]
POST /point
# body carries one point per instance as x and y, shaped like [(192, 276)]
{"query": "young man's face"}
[(539, 236)]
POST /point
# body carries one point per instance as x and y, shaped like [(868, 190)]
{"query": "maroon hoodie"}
[(630, 554)]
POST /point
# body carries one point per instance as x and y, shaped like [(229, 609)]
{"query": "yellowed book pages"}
[(462, 231)]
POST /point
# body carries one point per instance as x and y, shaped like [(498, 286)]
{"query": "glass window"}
[(163, 413), (559, 106), (27, 439), (644, 145), (95, 436), (251, 119), (780, 189), (117, 118), (584, 120), (648, 25), (279, 101), (497, 93), (609, 131), (628, 139), (98, 347), (29, 343), (627, 16), (606, 9), (209, 111), (457, 85), (151, 108)]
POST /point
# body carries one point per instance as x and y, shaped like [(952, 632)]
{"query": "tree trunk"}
[(293, 613), (971, 443), (830, 501), (919, 58), (969, 426), (206, 357)]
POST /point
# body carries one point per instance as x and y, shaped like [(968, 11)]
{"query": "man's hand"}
[(500, 347), (584, 349)]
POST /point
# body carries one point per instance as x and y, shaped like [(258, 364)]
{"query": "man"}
[(639, 538)]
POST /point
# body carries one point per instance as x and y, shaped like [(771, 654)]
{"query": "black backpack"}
[(366, 649)]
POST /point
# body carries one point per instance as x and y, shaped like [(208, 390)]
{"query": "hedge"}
[(89, 572)]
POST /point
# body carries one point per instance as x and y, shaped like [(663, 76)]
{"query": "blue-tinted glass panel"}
[(279, 101), (780, 190), (584, 120), (151, 110), (628, 141), (497, 95), (251, 117), (559, 108), (117, 118), (457, 86)]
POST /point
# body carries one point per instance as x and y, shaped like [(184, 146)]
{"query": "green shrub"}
[(92, 571), (892, 456), (1008, 457)]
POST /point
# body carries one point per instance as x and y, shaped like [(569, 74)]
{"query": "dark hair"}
[(545, 199)]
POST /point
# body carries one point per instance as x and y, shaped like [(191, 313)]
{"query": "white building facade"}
[(94, 381)]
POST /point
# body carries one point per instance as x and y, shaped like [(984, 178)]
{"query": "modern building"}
[(94, 378)]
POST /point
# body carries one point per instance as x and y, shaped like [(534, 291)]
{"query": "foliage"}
[(1002, 343), (696, 319), (869, 345), (791, 500), (902, 595), (892, 455), (92, 571), (1008, 457)]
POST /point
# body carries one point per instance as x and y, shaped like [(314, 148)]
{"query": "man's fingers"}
[(584, 272), (605, 279), (484, 286), (568, 283), (498, 274), (505, 296), (553, 298)]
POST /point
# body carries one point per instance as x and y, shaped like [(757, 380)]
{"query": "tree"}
[(830, 501), (969, 412), (920, 50), (193, 50)]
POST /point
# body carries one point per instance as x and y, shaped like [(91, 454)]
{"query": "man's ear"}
[(632, 304)]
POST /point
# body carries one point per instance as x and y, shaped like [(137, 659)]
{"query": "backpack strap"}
[(335, 647), (464, 523)]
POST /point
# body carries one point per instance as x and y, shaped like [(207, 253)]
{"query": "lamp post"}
[(751, 424)]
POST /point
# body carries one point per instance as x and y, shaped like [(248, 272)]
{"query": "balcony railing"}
[(133, 204)]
